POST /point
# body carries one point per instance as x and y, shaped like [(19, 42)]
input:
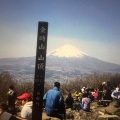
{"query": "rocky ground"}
[(97, 111)]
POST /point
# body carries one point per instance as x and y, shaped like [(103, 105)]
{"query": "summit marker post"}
[(40, 71)]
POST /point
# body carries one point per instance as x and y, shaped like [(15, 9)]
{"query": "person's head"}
[(117, 89), (24, 98), (57, 84), (69, 95), (108, 82), (11, 87), (3, 107), (84, 87)]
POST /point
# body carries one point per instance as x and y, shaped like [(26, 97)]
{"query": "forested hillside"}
[(91, 81)]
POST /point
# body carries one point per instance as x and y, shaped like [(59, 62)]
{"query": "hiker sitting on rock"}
[(78, 96), (54, 102), (85, 105), (26, 102), (69, 101)]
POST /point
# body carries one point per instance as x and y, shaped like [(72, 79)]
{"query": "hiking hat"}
[(26, 96)]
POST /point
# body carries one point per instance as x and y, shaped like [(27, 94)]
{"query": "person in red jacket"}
[(95, 94)]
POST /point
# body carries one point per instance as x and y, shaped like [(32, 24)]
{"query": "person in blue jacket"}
[(54, 102)]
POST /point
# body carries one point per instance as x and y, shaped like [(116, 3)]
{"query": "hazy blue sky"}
[(91, 25)]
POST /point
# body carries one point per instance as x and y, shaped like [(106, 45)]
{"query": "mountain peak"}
[(67, 51)]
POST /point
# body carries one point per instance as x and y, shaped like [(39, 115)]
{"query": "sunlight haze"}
[(93, 26)]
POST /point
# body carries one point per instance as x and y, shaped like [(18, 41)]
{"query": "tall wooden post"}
[(40, 71)]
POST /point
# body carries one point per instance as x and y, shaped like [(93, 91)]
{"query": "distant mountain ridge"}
[(61, 64)]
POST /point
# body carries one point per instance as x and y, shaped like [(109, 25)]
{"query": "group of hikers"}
[(105, 91), (8, 109), (54, 103)]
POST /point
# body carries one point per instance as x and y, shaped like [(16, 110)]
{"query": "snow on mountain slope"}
[(67, 51)]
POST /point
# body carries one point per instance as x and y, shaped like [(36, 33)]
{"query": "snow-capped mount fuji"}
[(68, 51), (71, 62)]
